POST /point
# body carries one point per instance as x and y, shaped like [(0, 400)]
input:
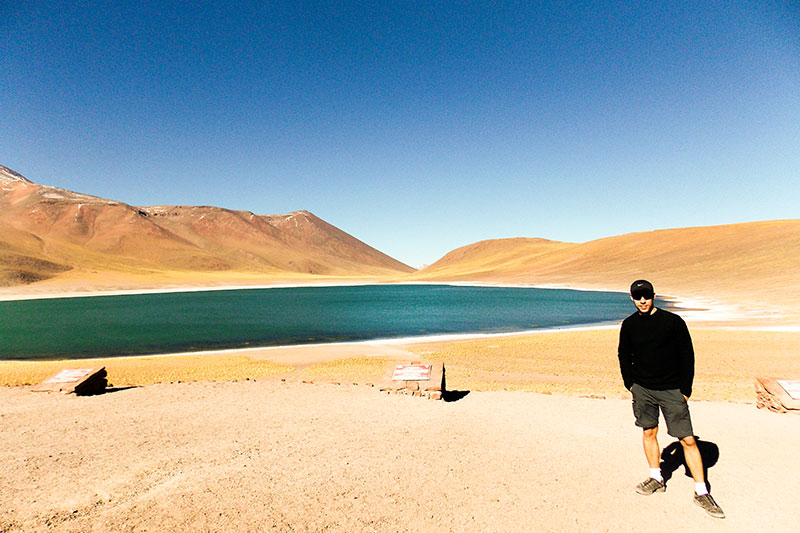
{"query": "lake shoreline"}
[(700, 308), (741, 337), (571, 361), (238, 320)]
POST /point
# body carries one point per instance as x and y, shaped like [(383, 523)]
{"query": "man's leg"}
[(655, 483), (691, 452), (645, 408), (651, 449)]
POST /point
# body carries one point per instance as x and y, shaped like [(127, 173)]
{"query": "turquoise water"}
[(193, 321)]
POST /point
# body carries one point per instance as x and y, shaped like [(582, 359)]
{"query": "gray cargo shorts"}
[(647, 402)]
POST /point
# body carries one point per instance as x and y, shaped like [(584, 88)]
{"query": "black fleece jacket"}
[(656, 352)]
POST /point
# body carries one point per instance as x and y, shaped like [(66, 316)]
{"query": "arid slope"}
[(757, 262), (46, 232)]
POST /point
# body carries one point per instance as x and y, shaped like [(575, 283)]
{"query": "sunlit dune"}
[(753, 264)]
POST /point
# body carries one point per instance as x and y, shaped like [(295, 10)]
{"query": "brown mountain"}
[(756, 263), (46, 232), (84, 242)]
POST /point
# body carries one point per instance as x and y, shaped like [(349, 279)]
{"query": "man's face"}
[(643, 302)]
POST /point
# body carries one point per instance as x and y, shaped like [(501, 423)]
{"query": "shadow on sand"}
[(672, 458), (107, 390), (454, 395)]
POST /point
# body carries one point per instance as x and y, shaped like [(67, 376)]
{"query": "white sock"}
[(700, 488), (655, 473)]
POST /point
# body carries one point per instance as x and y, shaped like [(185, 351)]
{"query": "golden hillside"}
[(757, 262), (46, 233)]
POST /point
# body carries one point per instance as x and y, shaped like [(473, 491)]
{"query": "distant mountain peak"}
[(44, 225), (9, 175)]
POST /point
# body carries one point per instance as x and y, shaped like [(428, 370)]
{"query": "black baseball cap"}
[(642, 287)]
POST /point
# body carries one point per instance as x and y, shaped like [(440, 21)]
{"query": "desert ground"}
[(536, 434), (279, 456)]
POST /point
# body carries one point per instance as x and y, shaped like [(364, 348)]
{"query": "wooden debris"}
[(81, 381), (772, 396)]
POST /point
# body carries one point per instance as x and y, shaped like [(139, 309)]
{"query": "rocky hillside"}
[(46, 231)]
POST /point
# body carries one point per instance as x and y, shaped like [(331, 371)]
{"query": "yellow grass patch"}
[(547, 362), (585, 362), (355, 369), (126, 371), (562, 362)]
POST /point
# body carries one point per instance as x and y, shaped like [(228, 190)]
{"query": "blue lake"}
[(194, 321)]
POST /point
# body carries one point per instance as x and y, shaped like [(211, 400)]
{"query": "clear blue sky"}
[(416, 128)]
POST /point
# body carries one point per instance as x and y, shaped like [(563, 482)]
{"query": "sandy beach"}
[(537, 436), (278, 456)]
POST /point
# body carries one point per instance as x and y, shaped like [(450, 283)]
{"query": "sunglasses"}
[(640, 295)]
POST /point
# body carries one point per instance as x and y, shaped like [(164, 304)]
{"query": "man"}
[(656, 359)]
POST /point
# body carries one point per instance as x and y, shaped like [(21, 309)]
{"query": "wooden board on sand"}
[(77, 380)]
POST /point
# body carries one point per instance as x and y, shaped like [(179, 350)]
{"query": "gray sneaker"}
[(709, 505), (650, 485)]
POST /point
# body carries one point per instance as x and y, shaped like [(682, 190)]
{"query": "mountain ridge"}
[(64, 231), (70, 242)]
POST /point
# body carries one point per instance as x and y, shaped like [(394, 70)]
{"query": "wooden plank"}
[(77, 380), (792, 387), (776, 394), (418, 372)]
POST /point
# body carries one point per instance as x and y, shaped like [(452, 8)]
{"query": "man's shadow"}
[(672, 458)]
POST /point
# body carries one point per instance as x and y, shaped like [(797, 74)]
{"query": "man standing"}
[(656, 359)]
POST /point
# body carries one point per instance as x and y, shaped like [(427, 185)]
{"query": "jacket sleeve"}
[(625, 355), (686, 350)]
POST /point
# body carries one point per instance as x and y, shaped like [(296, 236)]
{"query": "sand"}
[(279, 456), (267, 451), (540, 437)]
